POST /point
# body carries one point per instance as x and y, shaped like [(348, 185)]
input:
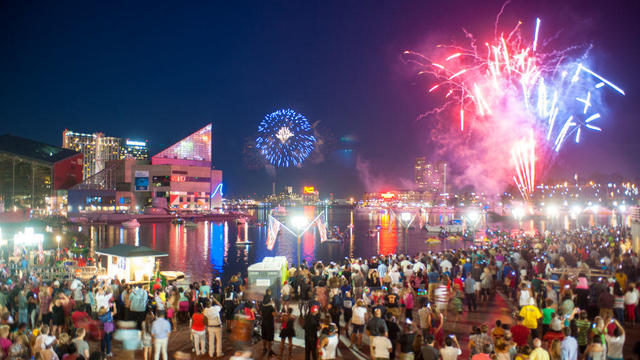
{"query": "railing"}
[(62, 272)]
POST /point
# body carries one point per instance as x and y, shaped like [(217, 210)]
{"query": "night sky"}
[(160, 70)]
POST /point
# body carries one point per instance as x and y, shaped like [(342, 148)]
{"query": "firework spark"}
[(511, 88)]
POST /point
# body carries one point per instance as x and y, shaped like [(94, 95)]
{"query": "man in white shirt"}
[(380, 347), (445, 265), (451, 351), (214, 326)]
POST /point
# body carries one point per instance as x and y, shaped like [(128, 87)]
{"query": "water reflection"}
[(211, 249)]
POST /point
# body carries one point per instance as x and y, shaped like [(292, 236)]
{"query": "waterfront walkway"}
[(487, 313)]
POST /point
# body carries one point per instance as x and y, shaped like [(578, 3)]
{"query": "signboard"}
[(263, 282), (136, 143), (178, 178), (141, 180), (309, 190)]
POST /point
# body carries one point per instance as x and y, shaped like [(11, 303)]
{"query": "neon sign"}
[(387, 195), (178, 178)]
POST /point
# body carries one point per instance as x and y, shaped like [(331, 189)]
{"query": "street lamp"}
[(575, 213), (58, 238), (472, 218), (518, 213), (300, 223)]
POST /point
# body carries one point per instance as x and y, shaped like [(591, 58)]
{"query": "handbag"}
[(109, 327)]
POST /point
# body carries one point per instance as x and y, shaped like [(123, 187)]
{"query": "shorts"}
[(477, 286), (357, 328)]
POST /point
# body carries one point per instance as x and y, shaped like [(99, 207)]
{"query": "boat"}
[(190, 224), (130, 224), (332, 241), (177, 221), (433, 240), (244, 242)]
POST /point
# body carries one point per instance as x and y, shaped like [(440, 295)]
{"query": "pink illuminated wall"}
[(194, 150)]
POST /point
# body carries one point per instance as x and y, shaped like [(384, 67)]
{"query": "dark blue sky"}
[(159, 70)]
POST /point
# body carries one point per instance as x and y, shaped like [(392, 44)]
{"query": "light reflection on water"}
[(210, 248)]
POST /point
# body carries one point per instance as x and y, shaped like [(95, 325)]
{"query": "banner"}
[(272, 232), (322, 230)]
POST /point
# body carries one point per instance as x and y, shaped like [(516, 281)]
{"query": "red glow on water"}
[(388, 237)]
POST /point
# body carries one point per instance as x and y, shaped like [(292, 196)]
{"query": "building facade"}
[(181, 176), (430, 177), (97, 149), (31, 172)]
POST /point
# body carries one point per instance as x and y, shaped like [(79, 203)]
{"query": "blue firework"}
[(285, 138)]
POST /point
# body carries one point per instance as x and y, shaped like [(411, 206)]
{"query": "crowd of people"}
[(573, 295)]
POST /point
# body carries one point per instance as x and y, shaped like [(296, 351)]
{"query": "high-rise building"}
[(419, 172), (430, 177), (97, 149), (132, 149)]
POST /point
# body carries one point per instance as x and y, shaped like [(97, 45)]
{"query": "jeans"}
[(105, 343), (471, 301), (215, 337), (619, 314), (160, 345), (23, 316)]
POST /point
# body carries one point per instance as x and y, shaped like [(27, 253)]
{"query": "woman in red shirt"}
[(198, 330)]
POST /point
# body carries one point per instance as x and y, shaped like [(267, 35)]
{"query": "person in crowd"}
[(129, 335), (82, 346), (615, 342), (538, 352), (328, 344), (147, 339), (428, 350), (530, 314), (105, 316), (381, 347), (407, 341), (287, 330), (595, 350), (311, 324), (160, 331), (214, 325), (268, 313), (198, 333), (451, 350)]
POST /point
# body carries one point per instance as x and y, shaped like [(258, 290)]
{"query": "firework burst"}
[(510, 88), (285, 138)]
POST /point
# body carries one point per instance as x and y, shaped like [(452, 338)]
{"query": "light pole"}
[(472, 219), (302, 224), (299, 222), (58, 238)]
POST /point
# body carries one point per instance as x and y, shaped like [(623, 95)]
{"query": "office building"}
[(134, 150), (430, 177), (31, 172), (97, 149)]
